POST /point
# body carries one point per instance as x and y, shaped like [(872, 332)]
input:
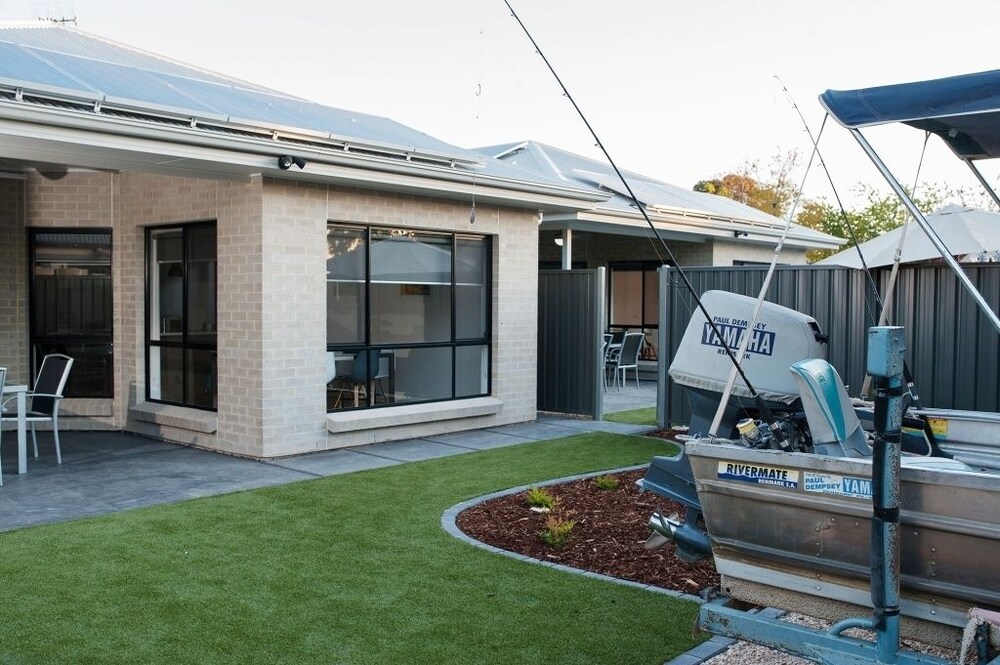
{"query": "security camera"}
[(285, 162)]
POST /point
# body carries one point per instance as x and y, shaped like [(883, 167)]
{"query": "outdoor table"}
[(22, 439)]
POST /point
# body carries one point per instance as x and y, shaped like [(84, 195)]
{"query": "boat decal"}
[(732, 330), (761, 474), (831, 483)]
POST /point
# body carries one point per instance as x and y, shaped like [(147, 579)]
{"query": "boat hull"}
[(804, 521)]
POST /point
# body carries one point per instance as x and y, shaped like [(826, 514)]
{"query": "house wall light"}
[(740, 234), (285, 162)]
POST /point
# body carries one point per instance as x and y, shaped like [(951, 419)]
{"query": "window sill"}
[(86, 407), (168, 415), (411, 414)]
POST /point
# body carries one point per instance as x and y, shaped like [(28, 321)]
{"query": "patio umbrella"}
[(970, 234)]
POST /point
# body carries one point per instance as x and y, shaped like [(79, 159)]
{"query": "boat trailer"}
[(886, 346)]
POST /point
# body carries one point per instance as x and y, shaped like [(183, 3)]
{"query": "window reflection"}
[(181, 333), (424, 292), (71, 306)]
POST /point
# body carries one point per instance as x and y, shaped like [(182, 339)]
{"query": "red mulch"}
[(611, 528)]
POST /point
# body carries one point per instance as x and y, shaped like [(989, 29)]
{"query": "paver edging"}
[(448, 524)]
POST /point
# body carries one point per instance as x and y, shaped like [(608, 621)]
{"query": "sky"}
[(678, 91)]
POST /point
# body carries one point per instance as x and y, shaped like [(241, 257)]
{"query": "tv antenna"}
[(59, 13)]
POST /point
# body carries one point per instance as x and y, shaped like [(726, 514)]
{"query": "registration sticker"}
[(939, 426), (831, 483), (760, 474)]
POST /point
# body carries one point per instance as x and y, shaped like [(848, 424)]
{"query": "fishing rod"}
[(762, 407), (720, 412), (886, 307), (907, 374), (836, 195)]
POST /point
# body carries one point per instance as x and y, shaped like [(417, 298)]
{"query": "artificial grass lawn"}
[(644, 416), (345, 569)]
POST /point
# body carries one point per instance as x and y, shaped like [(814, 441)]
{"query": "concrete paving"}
[(104, 472)]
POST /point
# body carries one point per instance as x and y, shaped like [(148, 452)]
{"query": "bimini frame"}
[(964, 111)]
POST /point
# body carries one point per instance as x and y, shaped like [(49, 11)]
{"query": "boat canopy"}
[(963, 110)]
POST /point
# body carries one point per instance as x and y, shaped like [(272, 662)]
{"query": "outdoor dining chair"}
[(628, 358), (44, 398), (365, 372)]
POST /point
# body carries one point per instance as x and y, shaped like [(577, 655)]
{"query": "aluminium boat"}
[(784, 502)]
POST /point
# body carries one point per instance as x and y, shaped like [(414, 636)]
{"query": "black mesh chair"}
[(628, 358), (44, 398)]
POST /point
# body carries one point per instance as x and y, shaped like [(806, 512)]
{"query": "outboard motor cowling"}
[(833, 424), (780, 338)]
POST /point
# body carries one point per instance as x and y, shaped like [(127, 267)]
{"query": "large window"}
[(407, 316), (181, 315), (634, 301), (71, 306)]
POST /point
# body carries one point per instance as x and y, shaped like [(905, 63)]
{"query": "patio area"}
[(104, 472)]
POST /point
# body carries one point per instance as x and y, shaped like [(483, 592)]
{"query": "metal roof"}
[(53, 60), (659, 198)]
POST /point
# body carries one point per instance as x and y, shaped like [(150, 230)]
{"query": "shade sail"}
[(970, 234), (963, 110)]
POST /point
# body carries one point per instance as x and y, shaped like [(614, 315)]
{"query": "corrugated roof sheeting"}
[(658, 197)]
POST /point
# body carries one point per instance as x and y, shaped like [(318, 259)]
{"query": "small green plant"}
[(606, 483), (557, 531), (539, 498)]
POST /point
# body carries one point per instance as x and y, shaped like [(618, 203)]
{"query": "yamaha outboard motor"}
[(833, 424), (780, 338)]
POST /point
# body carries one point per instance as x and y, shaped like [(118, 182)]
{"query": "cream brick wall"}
[(515, 289), (272, 296), (149, 201), (13, 278), (597, 249), (728, 253), (293, 318), (79, 199)]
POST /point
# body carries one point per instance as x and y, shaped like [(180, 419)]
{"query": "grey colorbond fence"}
[(952, 349), (571, 321)]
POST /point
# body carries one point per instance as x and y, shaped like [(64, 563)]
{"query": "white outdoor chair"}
[(44, 398)]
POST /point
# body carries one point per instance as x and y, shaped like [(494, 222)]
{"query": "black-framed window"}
[(634, 302), (70, 305), (181, 338), (408, 316)]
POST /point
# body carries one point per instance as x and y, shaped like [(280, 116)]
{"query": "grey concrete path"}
[(105, 472)]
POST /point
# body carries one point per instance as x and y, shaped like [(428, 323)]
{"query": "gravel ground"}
[(745, 653)]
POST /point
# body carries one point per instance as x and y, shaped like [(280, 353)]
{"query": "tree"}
[(771, 192), (883, 212)]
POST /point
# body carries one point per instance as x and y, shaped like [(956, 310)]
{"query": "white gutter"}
[(249, 155), (704, 227), (98, 102)]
